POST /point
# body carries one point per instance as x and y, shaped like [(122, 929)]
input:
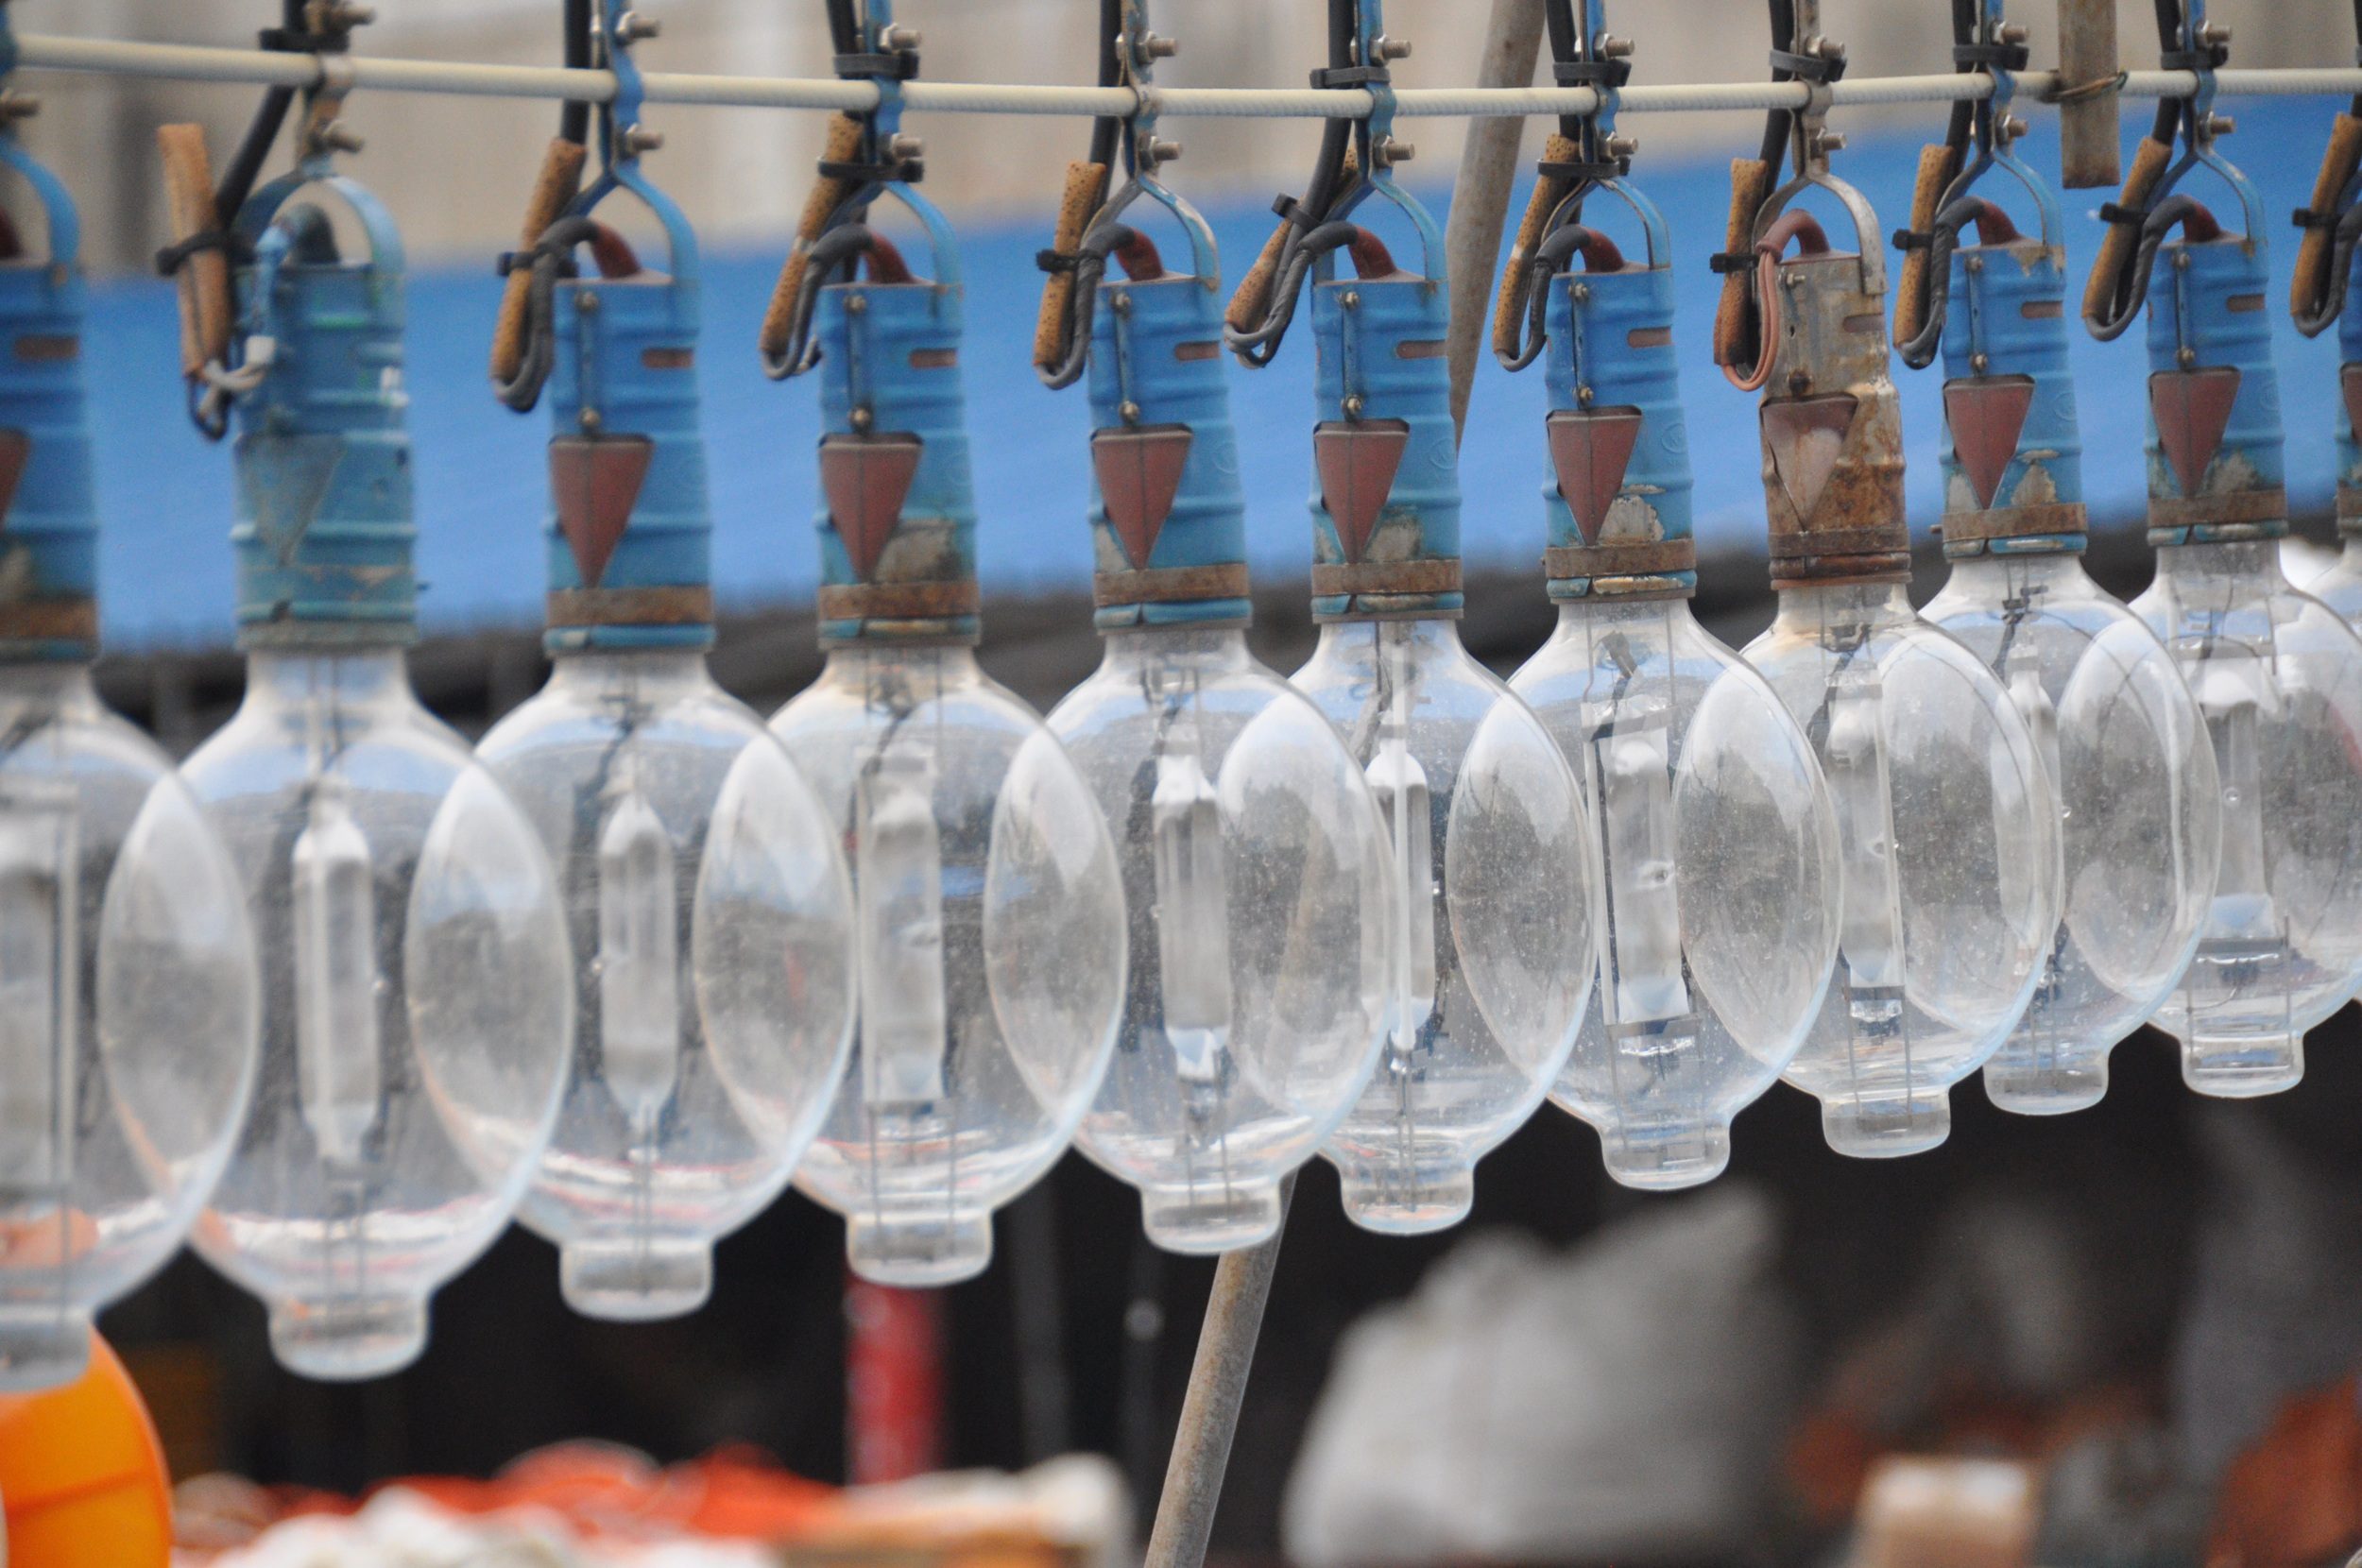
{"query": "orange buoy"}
[(82, 1477)]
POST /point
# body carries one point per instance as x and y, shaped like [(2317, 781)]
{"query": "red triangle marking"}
[(1140, 473), (2350, 383), (1986, 415), (16, 447), (867, 479), (287, 479), (1591, 449), (595, 482), (1805, 436), (2192, 409), (1356, 464)]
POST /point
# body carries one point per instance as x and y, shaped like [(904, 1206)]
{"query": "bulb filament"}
[(638, 959), (39, 946), (1402, 788), (899, 888), (339, 1071), (1192, 908), (1871, 933)]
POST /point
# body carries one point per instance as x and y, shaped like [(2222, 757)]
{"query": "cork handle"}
[(1086, 188), (828, 194), (1939, 165), (1548, 193), (1751, 185), (1252, 300), (2310, 289), (1251, 303), (204, 279), (2116, 246), (559, 179)]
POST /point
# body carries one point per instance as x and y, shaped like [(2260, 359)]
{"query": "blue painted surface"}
[(482, 475), (1134, 364)]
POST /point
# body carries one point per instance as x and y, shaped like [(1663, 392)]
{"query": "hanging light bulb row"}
[(338, 999)]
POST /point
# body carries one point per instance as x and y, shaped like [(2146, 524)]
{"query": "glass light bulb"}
[(1718, 854), (988, 920), (126, 1015), (2339, 585), (416, 1006), (678, 1125), (1947, 833), (1488, 975), (1255, 877), (2278, 679), (2139, 829)]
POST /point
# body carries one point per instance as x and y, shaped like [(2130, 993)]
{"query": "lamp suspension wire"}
[(1585, 154), (1087, 229), (1265, 302), (2146, 210), (2331, 222)]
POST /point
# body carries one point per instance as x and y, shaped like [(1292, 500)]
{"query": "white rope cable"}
[(190, 63)]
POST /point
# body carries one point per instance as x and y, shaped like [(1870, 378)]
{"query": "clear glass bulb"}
[(2339, 585), (1947, 833), (416, 1006), (1492, 961), (1256, 876), (126, 1015), (1718, 854), (989, 933), (2278, 679), (653, 789), (2139, 828)]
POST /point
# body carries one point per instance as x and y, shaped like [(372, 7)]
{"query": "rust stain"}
[(16, 448)]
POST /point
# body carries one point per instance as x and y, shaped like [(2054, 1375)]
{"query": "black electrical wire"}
[(2356, 108), (1307, 216), (1107, 127), (262, 132), (1774, 147), (1090, 266), (573, 118), (2161, 220), (1566, 47), (2168, 121), (839, 249), (1935, 284), (844, 27)]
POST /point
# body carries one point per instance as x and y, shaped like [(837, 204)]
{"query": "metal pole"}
[(1210, 1412), (1479, 198), (2087, 119)]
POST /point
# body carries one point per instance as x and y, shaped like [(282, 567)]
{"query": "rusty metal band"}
[(944, 601), (2013, 523), (1172, 585), (648, 607), (1387, 577), (2350, 503), (1885, 538), (1638, 559), (1807, 571), (2199, 511), (50, 621)]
